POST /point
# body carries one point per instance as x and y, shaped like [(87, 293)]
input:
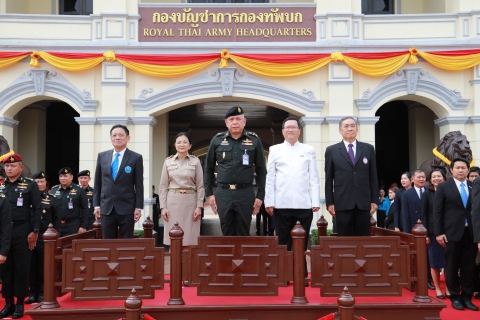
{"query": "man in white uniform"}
[(292, 191)]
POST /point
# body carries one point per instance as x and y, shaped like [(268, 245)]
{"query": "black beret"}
[(233, 111), (83, 173), (38, 175), (65, 170)]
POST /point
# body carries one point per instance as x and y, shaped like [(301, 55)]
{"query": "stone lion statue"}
[(453, 145)]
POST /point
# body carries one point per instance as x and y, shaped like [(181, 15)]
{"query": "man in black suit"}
[(351, 185), (412, 201), (476, 227), (118, 189), (454, 231)]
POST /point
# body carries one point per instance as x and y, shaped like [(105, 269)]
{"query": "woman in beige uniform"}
[(181, 192)]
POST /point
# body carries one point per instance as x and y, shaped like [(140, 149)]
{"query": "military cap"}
[(65, 170), (38, 175), (13, 158), (83, 173), (233, 111)]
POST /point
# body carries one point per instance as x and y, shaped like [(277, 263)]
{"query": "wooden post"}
[(50, 266), (148, 228), (176, 243), (298, 246), (322, 225), (97, 226), (373, 224), (133, 306), (421, 289), (345, 305)]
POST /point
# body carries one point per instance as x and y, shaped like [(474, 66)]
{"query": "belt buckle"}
[(232, 186), (183, 191), (63, 222)]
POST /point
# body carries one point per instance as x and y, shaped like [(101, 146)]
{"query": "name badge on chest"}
[(70, 203), (20, 202), (245, 159)]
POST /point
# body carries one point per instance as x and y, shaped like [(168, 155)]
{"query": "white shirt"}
[(418, 191), (120, 157), (458, 186), (292, 177)]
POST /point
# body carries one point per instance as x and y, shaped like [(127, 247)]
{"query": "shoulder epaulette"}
[(170, 156), (56, 186), (51, 195), (29, 179), (220, 133), (252, 133)]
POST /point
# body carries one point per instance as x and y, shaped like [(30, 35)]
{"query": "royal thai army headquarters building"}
[(407, 70)]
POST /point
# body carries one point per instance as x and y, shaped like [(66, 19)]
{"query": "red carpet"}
[(284, 296)]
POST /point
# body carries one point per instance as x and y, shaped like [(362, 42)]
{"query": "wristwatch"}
[(35, 231)]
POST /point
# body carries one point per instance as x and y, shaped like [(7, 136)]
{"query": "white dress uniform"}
[(292, 177)]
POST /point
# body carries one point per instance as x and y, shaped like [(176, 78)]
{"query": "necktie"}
[(350, 153), (463, 194), (114, 168), (421, 193)]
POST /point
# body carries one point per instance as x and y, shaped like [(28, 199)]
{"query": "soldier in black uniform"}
[(155, 211), (23, 196), (5, 224), (73, 204), (84, 180), (50, 211), (237, 152)]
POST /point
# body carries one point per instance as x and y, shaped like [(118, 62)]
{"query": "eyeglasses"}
[(290, 127)]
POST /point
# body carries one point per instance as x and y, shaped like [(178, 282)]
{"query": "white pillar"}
[(87, 155), (7, 126)]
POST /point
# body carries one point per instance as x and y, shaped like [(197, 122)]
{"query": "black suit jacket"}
[(348, 185), (389, 222), (411, 208), (427, 211), (476, 210), (126, 192), (449, 213), (397, 212)]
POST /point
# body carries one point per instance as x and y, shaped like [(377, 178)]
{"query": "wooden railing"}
[(237, 265)]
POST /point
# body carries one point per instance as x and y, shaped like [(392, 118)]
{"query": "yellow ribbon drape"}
[(7, 62), (164, 71), (451, 62), (225, 55), (64, 63), (279, 69), (376, 67)]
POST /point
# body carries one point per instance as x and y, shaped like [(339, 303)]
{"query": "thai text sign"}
[(226, 24)]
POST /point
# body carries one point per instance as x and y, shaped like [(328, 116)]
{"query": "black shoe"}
[(440, 296), (31, 299), (469, 305), (306, 283), (185, 283), (18, 313), (430, 286), (8, 309), (477, 295), (458, 305), (40, 297)]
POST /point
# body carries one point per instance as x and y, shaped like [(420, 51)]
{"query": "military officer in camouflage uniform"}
[(24, 199), (73, 204), (50, 215), (84, 180), (237, 153)]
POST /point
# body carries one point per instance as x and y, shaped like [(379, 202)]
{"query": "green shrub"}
[(314, 236), (139, 232)]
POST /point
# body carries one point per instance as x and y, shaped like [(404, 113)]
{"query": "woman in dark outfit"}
[(436, 254)]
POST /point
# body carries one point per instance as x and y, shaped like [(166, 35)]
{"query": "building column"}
[(87, 155), (7, 126), (143, 140), (312, 135), (366, 129)]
